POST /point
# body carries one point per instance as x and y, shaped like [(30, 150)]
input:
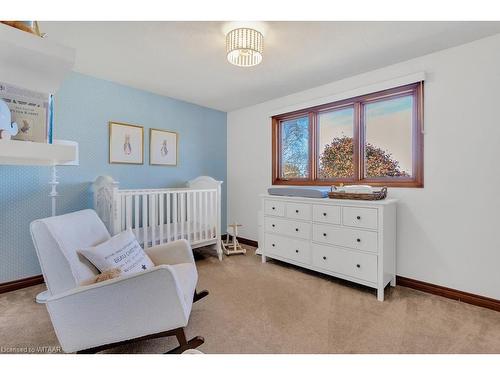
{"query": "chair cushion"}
[(187, 278), (69, 232), (121, 251)]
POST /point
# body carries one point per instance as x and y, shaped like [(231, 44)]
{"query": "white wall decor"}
[(126, 143), (162, 147)]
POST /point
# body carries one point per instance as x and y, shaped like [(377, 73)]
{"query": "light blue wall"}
[(84, 105)]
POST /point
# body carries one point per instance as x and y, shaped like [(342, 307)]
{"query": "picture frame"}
[(163, 147), (126, 143)]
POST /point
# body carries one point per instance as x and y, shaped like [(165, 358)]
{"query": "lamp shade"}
[(244, 47)]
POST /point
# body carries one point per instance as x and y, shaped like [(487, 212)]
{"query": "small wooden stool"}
[(234, 246)]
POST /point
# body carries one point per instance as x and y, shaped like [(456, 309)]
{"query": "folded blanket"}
[(305, 192)]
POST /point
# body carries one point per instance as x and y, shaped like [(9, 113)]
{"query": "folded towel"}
[(358, 189)]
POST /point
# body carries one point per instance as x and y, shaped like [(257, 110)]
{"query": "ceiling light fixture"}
[(244, 47)]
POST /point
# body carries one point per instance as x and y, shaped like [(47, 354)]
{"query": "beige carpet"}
[(277, 308)]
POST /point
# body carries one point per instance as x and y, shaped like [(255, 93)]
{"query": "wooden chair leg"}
[(178, 333), (88, 351), (197, 296), (184, 344), (181, 336)]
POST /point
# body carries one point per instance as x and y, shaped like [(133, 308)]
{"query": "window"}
[(336, 132), (373, 139), (295, 148)]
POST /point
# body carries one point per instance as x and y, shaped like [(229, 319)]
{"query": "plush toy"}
[(112, 273), (7, 128)]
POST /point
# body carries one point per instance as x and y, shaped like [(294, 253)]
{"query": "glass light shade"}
[(244, 47)]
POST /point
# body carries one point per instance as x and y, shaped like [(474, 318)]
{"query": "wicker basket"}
[(375, 196)]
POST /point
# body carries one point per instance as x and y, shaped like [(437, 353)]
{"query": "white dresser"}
[(352, 240)]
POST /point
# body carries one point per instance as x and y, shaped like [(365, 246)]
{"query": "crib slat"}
[(137, 225), (128, 210), (175, 210), (195, 216), (169, 217), (214, 214), (209, 218), (189, 196), (200, 220), (161, 213), (200, 217), (207, 206), (210, 214), (122, 216), (214, 210), (145, 220), (205, 196), (181, 213), (152, 220)]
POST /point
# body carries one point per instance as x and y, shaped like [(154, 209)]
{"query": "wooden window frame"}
[(358, 103)]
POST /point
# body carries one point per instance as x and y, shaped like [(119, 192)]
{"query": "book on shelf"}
[(31, 110)]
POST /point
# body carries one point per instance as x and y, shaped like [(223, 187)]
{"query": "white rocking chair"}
[(88, 319)]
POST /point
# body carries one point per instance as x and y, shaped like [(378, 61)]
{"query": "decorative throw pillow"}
[(121, 251)]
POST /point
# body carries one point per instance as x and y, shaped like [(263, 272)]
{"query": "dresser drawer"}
[(326, 214), (340, 236), (300, 211), (360, 217), (276, 208), (351, 263), (289, 248), (287, 227)]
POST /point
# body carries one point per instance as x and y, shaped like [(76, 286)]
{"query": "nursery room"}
[(217, 183)]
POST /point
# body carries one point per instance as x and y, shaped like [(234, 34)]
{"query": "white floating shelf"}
[(32, 62), (33, 153)]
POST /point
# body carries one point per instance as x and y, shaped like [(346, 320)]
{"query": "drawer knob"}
[(273, 225), (358, 239), (296, 251), (273, 245), (274, 208), (324, 234), (358, 217), (296, 211), (358, 265), (324, 258), (324, 213), (296, 229)]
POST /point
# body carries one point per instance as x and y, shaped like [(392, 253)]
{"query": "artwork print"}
[(29, 109), (162, 147), (126, 143)]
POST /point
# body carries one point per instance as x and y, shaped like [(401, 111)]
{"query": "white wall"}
[(444, 237)]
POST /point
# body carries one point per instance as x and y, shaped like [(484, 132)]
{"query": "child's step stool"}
[(234, 246)]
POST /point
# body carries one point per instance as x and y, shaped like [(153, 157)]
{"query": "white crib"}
[(158, 216)]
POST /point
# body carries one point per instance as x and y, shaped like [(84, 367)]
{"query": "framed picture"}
[(126, 143), (162, 147)]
